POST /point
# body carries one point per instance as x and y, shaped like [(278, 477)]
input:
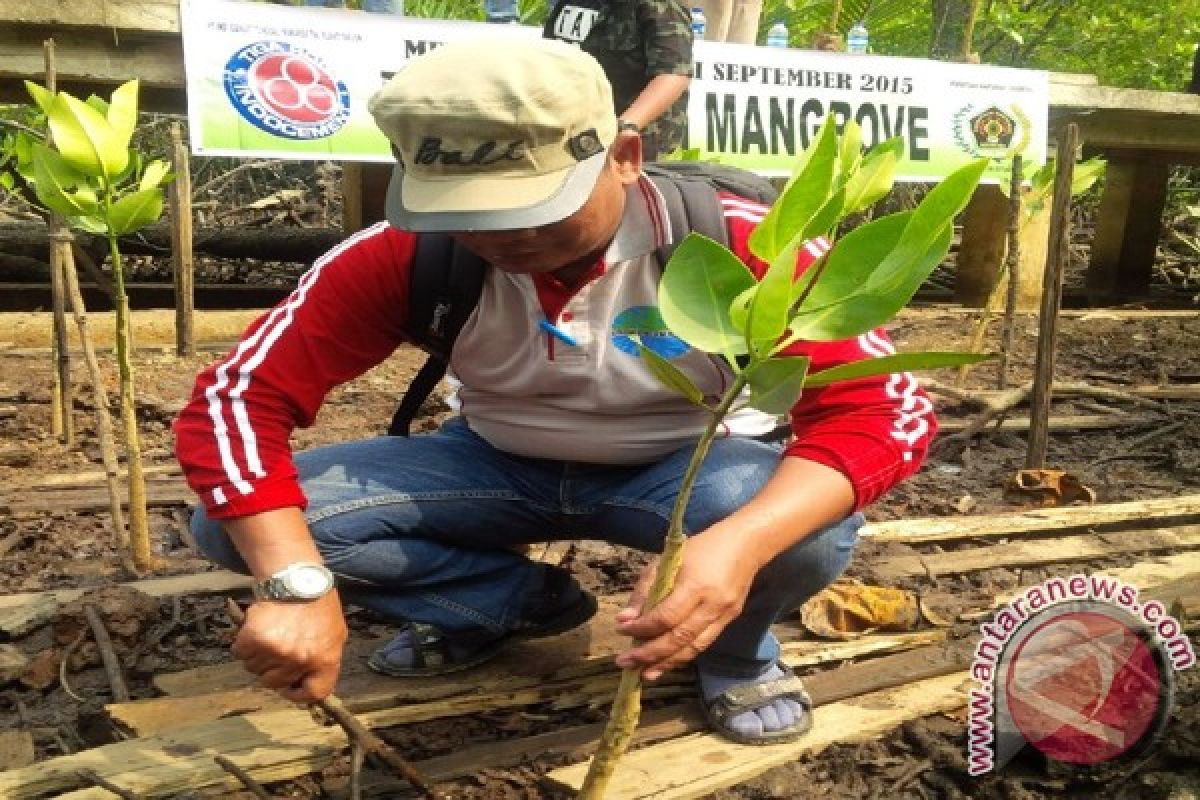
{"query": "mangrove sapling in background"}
[(713, 302), (89, 174)]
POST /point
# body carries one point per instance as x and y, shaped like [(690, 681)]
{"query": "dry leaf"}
[(848, 610), (1047, 487)]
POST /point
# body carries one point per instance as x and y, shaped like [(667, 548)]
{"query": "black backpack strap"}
[(445, 282), (692, 205)]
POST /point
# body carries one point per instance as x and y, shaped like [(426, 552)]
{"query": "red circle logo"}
[(295, 87), (1083, 687)]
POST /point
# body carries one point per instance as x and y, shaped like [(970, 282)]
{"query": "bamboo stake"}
[(139, 524), (1012, 270), (1056, 259), (180, 198), (61, 399), (104, 426), (627, 704)]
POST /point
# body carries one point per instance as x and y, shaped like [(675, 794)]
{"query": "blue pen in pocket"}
[(557, 333)]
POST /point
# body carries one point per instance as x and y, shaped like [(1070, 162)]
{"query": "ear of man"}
[(625, 156)]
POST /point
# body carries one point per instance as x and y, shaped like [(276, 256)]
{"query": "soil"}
[(922, 759)]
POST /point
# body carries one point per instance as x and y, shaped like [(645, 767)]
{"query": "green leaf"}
[(739, 309), (698, 286), (7, 181), (123, 111), (669, 375), (770, 306), (850, 264), (872, 181), (800, 201), (135, 210), (776, 383), (826, 218), (876, 303), (851, 155), (85, 138), (55, 183), (155, 175), (886, 365), (41, 95), (1086, 174), (89, 224)]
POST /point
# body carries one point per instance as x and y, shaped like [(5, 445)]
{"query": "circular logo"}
[(1085, 686), (286, 91), (645, 323)]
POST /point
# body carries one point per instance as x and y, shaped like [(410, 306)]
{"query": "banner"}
[(281, 82)]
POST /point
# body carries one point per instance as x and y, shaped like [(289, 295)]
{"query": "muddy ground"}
[(923, 759)]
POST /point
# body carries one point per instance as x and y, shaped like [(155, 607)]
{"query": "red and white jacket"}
[(523, 389)]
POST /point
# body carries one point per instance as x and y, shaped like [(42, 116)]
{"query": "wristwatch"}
[(297, 583), (626, 125)]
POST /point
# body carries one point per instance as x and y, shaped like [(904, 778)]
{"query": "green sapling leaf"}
[(803, 198), (698, 286), (122, 112), (886, 365), (670, 376), (55, 183), (41, 95), (155, 175), (850, 155), (872, 181), (85, 138), (776, 383), (136, 210)]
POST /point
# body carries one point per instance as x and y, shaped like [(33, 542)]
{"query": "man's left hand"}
[(710, 591)]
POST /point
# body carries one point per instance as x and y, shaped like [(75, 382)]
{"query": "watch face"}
[(306, 581)]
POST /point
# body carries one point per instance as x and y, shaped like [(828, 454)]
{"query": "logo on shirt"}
[(645, 324), (286, 91), (575, 23)]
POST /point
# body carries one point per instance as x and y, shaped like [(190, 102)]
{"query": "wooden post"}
[(1056, 261), (352, 200), (180, 198), (1127, 228), (979, 264), (62, 399), (364, 194), (1012, 261)]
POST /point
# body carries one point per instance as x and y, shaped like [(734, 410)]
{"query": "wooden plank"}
[(1059, 424), (16, 749), (698, 765), (21, 613), (1150, 575), (1039, 553), (160, 714), (122, 16), (95, 478), (93, 499), (1139, 513)]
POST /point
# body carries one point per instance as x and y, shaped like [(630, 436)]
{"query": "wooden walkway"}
[(894, 678)]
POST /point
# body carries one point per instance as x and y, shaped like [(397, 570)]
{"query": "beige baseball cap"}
[(495, 134)]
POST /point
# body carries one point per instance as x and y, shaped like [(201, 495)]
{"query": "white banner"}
[(282, 82)]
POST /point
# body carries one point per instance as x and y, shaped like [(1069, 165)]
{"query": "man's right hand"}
[(294, 647)]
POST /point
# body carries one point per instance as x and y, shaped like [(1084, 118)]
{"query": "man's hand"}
[(294, 647), (710, 591)]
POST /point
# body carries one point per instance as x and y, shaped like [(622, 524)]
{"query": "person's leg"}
[(635, 511), (418, 528)]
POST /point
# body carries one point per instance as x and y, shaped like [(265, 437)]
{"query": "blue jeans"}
[(419, 528)]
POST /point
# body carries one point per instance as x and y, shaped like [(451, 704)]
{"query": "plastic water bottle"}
[(856, 39), (777, 36), (699, 23), (501, 11), (383, 6)]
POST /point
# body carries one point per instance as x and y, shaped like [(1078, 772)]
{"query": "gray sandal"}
[(735, 700)]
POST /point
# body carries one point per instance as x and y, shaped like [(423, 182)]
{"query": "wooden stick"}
[(233, 769), (364, 736), (112, 667), (61, 401), (96, 779), (104, 425), (1012, 269), (62, 666), (357, 756), (180, 195), (1056, 261)]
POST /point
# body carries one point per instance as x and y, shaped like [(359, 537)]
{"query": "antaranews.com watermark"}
[(1079, 668)]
